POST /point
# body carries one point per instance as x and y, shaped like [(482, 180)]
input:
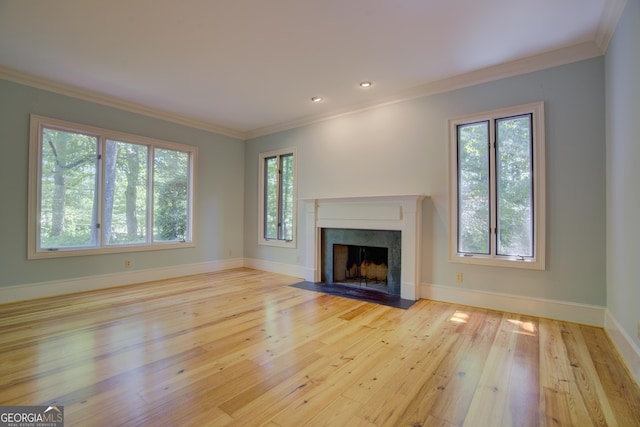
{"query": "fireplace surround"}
[(401, 213)]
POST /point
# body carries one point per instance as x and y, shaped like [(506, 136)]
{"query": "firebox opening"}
[(365, 266)]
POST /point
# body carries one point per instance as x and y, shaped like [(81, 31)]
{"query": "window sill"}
[(278, 243), (498, 262), (62, 253)]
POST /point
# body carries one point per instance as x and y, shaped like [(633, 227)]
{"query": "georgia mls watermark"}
[(31, 416)]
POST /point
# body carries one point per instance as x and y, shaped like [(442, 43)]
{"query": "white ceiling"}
[(249, 67)]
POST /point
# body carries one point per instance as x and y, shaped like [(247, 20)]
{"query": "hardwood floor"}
[(240, 347)]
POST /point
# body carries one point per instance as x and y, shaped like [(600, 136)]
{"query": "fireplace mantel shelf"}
[(365, 198)]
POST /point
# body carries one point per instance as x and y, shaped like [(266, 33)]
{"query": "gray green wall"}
[(398, 148), (623, 171), (402, 149), (219, 203)]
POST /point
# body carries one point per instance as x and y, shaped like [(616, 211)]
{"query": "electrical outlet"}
[(639, 329), (459, 277), (127, 263), (298, 259), (230, 252)]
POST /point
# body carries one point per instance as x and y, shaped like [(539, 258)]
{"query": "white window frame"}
[(261, 199), (536, 262), (37, 124)]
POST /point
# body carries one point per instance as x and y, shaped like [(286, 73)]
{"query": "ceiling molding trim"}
[(542, 61), (525, 65), (608, 22), (109, 101)]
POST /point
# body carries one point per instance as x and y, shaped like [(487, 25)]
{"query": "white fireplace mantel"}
[(393, 212)]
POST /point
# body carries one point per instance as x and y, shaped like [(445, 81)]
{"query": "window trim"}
[(537, 262), (37, 123), (261, 199)]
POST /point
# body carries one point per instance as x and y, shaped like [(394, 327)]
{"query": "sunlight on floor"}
[(525, 328), (460, 317)]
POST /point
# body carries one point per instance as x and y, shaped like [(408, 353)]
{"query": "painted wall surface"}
[(403, 148), (219, 204), (623, 173)]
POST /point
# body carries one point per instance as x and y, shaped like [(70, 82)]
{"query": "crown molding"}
[(20, 77), (608, 22), (525, 65)]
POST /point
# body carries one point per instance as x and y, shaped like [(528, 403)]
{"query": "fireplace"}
[(363, 266), (399, 214), (369, 259)]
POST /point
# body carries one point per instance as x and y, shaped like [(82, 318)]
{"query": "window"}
[(498, 188), (277, 198), (98, 191)]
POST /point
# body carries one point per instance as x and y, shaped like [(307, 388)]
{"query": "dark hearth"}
[(359, 294)]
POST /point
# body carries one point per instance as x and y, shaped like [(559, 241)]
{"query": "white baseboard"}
[(552, 309), (624, 343), (277, 267), (89, 283)]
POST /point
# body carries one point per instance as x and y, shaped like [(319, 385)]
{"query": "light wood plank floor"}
[(240, 347)]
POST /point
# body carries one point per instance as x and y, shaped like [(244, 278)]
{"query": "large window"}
[(498, 187), (98, 191), (277, 198)]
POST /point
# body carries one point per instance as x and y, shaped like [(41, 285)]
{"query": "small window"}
[(498, 188), (99, 191), (277, 198)]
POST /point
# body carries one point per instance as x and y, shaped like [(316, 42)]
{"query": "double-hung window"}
[(277, 198), (497, 177), (99, 191)]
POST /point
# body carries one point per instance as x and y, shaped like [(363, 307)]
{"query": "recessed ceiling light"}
[(366, 84), (316, 99)]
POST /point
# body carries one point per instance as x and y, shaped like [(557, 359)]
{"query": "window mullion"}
[(98, 229), (493, 190), (265, 198), (150, 193), (190, 184), (279, 193)]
